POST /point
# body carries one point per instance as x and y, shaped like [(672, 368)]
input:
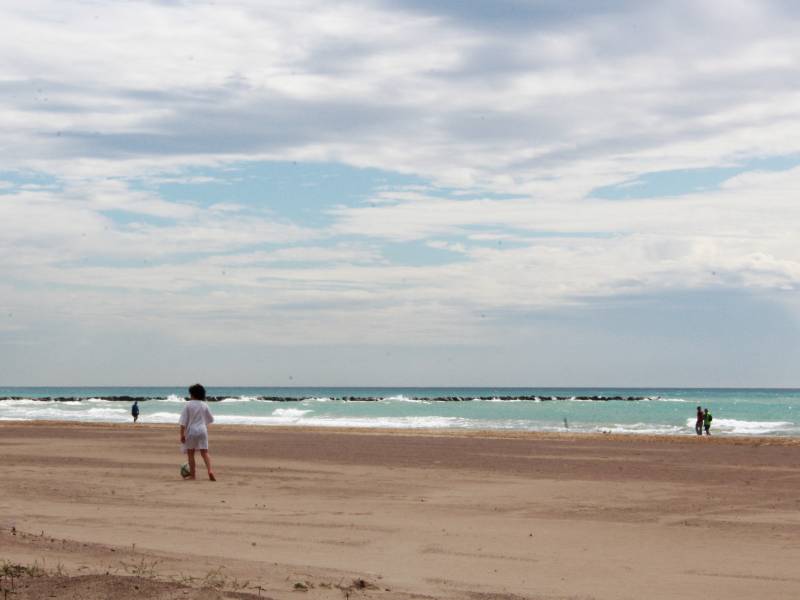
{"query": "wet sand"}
[(336, 513)]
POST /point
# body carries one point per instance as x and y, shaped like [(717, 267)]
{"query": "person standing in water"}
[(698, 426), (194, 421), (135, 411), (707, 418)]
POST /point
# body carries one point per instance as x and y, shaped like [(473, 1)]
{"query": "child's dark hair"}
[(197, 391)]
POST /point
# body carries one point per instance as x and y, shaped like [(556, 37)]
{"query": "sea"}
[(665, 411)]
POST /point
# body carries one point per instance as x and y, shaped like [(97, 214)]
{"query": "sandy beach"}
[(318, 513)]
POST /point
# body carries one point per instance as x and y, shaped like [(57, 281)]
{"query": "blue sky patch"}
[(13, 181), (299, 191), (680, 182), (418, 254)]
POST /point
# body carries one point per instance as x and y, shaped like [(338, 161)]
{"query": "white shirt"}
[(195, 416)]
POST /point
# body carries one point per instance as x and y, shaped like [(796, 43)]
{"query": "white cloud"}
[(543, 108), (524, 111)]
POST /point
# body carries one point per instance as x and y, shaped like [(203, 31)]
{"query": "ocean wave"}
[(637, 428), (100, 412), (651, 418), (162, 417), (497, 399), (56, 413), (359, 422), (738, 427), (401, 398), (171, 398), (741, 427), (290, 412), (39, 402)]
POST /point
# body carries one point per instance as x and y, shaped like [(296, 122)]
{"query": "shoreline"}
[(733, 439)]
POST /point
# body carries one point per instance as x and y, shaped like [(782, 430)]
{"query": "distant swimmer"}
[(707, 418), (698, 426), (135, 411)]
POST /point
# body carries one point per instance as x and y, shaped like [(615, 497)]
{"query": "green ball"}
[(185, 470)]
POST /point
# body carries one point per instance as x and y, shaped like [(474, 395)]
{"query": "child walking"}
[(194, 421)]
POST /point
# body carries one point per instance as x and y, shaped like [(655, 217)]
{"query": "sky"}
[(388, 192)]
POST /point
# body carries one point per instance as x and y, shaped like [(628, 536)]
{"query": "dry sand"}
[(398, 515)]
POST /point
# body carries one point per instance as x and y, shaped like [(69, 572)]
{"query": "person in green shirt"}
[(707, 418)]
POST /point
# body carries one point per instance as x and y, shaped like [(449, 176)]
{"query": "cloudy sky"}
[(454, 192)]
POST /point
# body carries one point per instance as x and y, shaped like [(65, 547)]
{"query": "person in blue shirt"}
[(135, 411)]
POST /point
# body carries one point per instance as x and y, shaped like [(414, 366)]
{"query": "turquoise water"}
[(772, 412)]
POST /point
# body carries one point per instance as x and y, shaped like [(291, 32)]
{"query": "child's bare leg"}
[(190, 452), (207, 460)]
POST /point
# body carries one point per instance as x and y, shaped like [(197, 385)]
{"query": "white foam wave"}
[(497, 400), (54, 411), (290, 412), (49, 402), (172, 398), (108, 412), (752, 427), (163, 417), (740, 427), (360, 422), (637, 428), (401, 398), (239, 399)]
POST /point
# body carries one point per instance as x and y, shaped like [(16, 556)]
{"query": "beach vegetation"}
[(11, 572)]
